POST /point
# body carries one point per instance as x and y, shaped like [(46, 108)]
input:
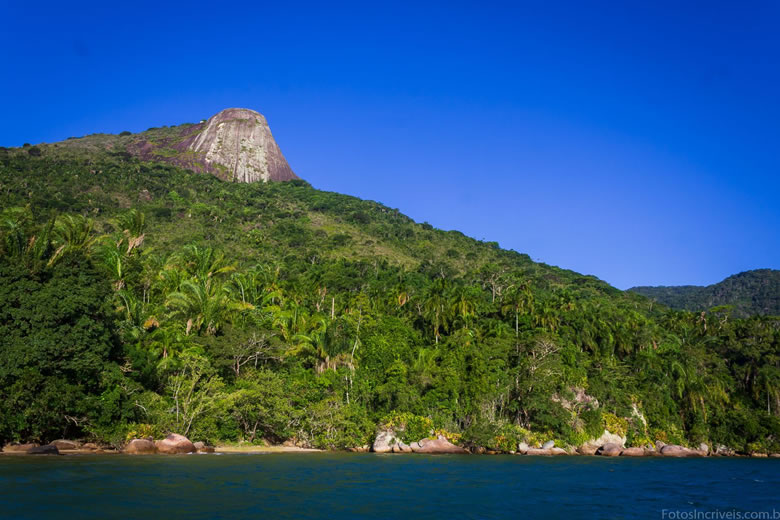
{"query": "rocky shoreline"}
[(173, 444), (387, 441), (608, 445)]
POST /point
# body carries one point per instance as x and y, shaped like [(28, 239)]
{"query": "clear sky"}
[(638, 144)]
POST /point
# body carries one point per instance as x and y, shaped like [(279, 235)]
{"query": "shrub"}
[(615, 424), (408, 427)]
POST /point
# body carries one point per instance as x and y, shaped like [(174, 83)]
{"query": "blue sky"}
[(638, 144)]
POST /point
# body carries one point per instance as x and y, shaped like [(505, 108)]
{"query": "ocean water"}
[(346, 485)]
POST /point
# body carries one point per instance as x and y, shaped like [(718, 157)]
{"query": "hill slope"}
[(292, 313), (750, 293)]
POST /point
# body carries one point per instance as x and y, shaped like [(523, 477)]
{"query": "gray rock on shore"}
[(523, 447), (439, 445), (140, 447), (538, 451), (202, 447), (610, 449), (592, 446), (548, 445), (384, 442), (673, 450), (587, 449), (633, 452), (175, 444), (47, 449), (19, 448), (63, 444)]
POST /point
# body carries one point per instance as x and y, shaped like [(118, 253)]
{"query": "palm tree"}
[(14, 224), (768, 380), (204, 263), (203, 304), (516, 300), (436, 308), (290, 320), (168, 341), (315, 342), (74, 233), (131, 226), (18, 241)]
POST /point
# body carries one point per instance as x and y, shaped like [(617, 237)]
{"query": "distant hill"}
[(751, 293)]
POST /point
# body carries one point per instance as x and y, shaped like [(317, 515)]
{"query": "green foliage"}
[(615, 424), (408, 427), (56, 341)]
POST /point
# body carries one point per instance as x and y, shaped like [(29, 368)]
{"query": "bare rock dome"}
[(238, 143)]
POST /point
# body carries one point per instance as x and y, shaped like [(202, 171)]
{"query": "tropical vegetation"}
[(137, 298)]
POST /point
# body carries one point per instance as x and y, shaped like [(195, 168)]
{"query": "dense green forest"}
[(137, 298), (749, 293)]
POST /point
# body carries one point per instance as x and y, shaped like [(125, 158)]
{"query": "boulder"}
[(754, 455), (404, 448), (478, 450), (47, 449), (90, 446), (384, 442), (523, 447), (415, 446), (558, 451), (590, 447), (202, 447), (548, 445), (140, 447), (19, 448), (673, 450), (633, 452), (659, 445), (538, 451), (610, 449), (724, 451), (704, 448), (774, 455), (62, 444), (439, 445), (587, 449), (174, 444)]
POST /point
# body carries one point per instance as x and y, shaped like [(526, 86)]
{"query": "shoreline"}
[(264, 450), (249, 450)]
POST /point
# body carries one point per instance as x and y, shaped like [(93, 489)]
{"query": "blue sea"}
[(346, 485)]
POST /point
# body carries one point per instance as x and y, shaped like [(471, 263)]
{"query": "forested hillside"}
[(137, 298), (749, 293)]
